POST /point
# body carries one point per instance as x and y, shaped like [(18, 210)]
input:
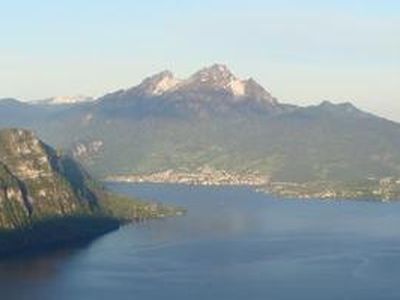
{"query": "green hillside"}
[(47, 199)]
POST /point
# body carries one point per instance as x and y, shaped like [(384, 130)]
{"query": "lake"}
[(233, 243)]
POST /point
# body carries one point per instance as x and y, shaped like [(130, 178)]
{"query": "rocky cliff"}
[(47, 199), (36, 182)]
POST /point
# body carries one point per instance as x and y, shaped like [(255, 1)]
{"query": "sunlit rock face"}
[(35, 181), (219, 77), (215, 84)]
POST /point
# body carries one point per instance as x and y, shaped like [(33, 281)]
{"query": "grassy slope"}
[(326, 142), (300, 148)]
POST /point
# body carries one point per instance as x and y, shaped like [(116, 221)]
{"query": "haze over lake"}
[(233, 243)]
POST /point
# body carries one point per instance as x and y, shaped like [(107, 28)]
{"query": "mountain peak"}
[(216, 75), (215, 82), (218, 70), (156, 85), (161, 75), (219, 76)]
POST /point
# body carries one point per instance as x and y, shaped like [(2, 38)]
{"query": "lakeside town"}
[(202, 176), (384, 189)]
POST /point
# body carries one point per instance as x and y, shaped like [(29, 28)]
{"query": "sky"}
[(303, 51)]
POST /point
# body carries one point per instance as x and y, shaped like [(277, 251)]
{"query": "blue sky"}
[(302, 51)]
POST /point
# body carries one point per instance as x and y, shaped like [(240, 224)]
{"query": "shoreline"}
[(205, 176), (368, 190)]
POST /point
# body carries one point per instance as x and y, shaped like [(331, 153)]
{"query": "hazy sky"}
[(301, 51)]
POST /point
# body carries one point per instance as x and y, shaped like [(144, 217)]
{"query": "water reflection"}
[(38, 266)]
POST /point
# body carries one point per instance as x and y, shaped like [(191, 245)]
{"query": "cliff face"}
[(48, 200), (37, 183)]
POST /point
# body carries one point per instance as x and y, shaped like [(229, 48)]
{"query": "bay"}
[(233, 243)]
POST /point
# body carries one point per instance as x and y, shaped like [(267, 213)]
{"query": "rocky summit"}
[(214, 85)]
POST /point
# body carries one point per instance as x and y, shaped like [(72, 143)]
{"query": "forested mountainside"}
[(46, 198), (216, 121)]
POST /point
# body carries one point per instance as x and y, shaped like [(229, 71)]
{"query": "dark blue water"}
[(233, 244)]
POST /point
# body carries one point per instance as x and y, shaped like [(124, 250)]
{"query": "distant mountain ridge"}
[(215, 119), (65, 100)]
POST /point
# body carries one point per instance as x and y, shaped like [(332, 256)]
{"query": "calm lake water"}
[(234, 243)]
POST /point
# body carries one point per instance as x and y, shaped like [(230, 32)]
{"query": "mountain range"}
[(216, 120)]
